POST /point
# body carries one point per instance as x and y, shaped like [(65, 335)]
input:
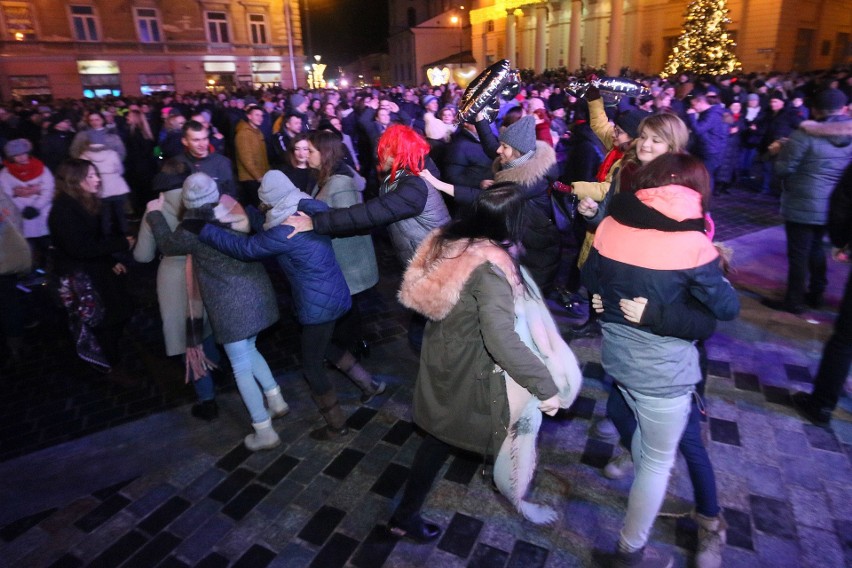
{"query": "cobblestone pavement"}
[(96, 473)]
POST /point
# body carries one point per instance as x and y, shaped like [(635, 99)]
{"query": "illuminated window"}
[(148, 25), (85, 23), (217, 27), (257, 29), (20, 24)]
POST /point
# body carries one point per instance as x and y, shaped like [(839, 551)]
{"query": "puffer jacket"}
[(710, 133), (319, 290), (626, 262), (810, 165), (460, 394)]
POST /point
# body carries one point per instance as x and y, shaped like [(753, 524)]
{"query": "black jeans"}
[(836, 357), (428, 460), (805, 257)]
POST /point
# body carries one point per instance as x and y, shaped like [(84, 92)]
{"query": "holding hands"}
[(632, 309)]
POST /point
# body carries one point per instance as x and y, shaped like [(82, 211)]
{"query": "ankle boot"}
[(334, 416), (361, 377), (276, 403), (645, 557), (712, 536), (264, 438)]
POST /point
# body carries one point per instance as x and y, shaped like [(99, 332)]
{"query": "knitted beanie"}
[(17, 147), (296, 100), (277, 190), (199, 189), (629, 121), (829, 99), (520, 135)]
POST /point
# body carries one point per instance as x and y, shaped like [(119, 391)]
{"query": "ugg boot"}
[(264, 438), (335, 419), (276, 404), (350, 366), (712, 536), (645, 557)]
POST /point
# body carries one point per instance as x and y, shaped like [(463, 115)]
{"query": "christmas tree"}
[(704, 47)]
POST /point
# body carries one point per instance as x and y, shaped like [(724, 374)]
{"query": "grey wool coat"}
[(237, 295)]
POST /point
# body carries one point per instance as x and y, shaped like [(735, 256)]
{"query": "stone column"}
[(574, 38), (540, 37), (510, 38), (616, 37)]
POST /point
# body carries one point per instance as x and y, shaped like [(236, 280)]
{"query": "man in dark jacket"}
[(465, 162), (196, 143), (710, 132), (810, 165), (55, 146), (778, 124), (837, 354)]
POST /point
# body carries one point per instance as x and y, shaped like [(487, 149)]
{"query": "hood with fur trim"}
[(529, 172), (433, 286), (838, 130)]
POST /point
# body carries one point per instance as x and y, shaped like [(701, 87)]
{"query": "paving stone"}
[(839, 498), (165, 514), (321, 525), (798, 374), (335, 553), (172, 562), (231, 485), (593, 370), (196, 546), (391, 480), (462, 468), (203, 484), (718, 368), (191, 519), (213, 560), (724, 431), (843, 529), (255, 557), (819, 548), (279, 498), (460, 535), (293, 556), (764, 480), (791, 443), (777, 395), (245, 501), (798, 472), (234, 458), (399, 433), (360, 418), (747, 382), (810, 509), (278, 470), (121, 550), (739, 529), (375, 549), (343, 464), (112, 489), (67, 561), (776, 551), (485, 556), (15, 529), (153, 551), (821, 439), (527, 555), (317, 492), (773, 516), (100, 514)]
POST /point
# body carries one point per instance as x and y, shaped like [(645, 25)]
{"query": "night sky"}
[(343, 30)]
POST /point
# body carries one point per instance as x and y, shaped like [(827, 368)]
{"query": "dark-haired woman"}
[(656, 374), (296, 166), (474, 362), (84, 262)]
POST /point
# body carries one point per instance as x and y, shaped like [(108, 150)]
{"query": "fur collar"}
[(828, 129), (529, 172), (433, 287)]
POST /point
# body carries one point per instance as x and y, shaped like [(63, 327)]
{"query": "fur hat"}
[(629, 121), (829, 99), (297, 100), (17, 147), (199, 189), (520, 135)]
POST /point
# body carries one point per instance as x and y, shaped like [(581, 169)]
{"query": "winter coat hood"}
[(529, 172), (836, 129), (433, 286)]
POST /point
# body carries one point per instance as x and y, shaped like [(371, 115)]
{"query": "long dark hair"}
[(497, 214), (330, 148), (291, 147), (69, 178), (681, 169)]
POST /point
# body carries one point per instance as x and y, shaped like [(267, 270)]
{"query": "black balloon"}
[(482, 94)]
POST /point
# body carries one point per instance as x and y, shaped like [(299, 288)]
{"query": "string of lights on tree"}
[(704, 47)]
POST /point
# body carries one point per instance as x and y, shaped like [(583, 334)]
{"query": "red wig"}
[(407, 149)]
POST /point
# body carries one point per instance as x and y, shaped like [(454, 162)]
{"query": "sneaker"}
[(604, 430), (804, 406), (619, 466), (646, 557)]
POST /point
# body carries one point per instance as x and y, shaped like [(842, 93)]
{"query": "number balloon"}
[(482, 94)]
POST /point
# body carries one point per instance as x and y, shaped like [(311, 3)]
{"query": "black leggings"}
[(428, 460)]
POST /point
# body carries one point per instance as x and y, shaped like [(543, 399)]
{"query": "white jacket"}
[(110, 169), (37, 226)]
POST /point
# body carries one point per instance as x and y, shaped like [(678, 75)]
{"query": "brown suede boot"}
[(334, 416), (350, 366)]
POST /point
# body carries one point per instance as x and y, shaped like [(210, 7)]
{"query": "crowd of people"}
[(210, 184)]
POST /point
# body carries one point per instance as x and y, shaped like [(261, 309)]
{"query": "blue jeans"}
[(691, 446), (660, 426), (250, 368), (806, 262), (204, 388)]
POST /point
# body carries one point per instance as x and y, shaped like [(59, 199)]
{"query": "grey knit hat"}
[(520, 135), (17, 147), (274, 187), (297, 99), (199, 189)]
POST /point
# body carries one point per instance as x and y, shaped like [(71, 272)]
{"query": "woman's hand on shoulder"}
[(300, 222), (597, 303), (155, 204)]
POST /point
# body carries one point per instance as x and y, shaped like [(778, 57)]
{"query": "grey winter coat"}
[(810, 165), (238, 295)]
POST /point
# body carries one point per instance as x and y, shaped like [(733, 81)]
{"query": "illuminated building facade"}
[(540, 34), (59, 49)]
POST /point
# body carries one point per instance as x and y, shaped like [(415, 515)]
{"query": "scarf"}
[(628, 210), (519, 161), (85, 311), (612, 157), (25, 172), (197, 363)]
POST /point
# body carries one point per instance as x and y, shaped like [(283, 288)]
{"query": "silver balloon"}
[(482, 94), (611, 88)]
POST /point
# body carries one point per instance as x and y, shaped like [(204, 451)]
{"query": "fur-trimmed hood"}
[(433, 287), (529, 172), (838, 130)]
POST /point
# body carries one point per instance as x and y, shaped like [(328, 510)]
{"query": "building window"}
[(489, 26), (148, 25), (84, 23), (217, 27), (257, 29), (20, 24)]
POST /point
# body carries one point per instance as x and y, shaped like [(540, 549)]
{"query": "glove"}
[(593, 93), (194, 226), (30, 212)]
